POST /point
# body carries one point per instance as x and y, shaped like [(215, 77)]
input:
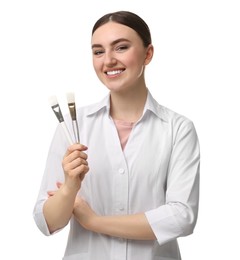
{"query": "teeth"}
[(114, 72)]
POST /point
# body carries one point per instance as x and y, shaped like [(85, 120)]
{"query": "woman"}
[(131, 188)]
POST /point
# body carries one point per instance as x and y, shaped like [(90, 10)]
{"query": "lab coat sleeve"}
[(53, 173), (179, 214)]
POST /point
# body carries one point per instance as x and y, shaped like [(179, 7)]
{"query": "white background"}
[(45, 50)]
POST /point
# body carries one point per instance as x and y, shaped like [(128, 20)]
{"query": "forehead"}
[(112, 31)]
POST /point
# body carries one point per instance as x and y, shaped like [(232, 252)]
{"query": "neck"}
[(128, 106)]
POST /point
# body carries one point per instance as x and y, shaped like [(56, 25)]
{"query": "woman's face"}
[(119, 56)]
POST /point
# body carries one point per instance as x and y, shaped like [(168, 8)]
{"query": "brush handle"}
[(69, 138), (76, 131)]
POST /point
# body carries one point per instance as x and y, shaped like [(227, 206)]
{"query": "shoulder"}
[(168, 115), (176, 123), (174, 117)]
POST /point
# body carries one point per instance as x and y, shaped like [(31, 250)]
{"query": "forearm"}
[(127, 226), (58, 208), (133, 226)]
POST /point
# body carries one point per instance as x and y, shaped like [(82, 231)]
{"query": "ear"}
[(149, 54)]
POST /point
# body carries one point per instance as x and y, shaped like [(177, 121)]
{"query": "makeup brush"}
[(58, 113), (72, 109)]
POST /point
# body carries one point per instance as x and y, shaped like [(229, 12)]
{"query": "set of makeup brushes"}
[(72, 109)]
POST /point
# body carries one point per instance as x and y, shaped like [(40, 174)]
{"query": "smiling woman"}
[(131, 188), (120, 57)]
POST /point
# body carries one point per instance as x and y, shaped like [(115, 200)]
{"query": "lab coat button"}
[(121, 171)]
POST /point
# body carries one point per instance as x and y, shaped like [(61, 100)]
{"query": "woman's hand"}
[(52, 192), (77, 202), (75, 165), (81, 210), (83, 213)]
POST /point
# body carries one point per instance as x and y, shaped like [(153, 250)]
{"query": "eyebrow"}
[(112, 44)]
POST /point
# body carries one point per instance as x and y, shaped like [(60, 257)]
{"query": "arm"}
[(177, 217), (58, 207), (133, 226)]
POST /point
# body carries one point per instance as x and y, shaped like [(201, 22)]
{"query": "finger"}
[(74, 164), (79, 171), (74, 147), (83, 174), (77, 153), (79, 161), (59, 184), (74, 155), (51, 193)]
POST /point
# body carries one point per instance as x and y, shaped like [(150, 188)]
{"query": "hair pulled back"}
[(129, 19)]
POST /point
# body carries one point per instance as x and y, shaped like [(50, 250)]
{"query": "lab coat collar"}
[(150, 105)]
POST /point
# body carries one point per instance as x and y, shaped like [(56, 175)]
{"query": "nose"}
[(110, 59)]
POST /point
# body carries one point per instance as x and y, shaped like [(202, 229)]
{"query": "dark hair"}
[(129, 19)]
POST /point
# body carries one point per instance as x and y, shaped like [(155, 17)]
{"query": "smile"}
[(114, 72)]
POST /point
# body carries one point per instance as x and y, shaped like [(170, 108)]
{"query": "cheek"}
[(138, 67), (96, 65), (94, 62), (136, 64), (136, 59)]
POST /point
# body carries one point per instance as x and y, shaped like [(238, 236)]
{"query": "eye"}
[(122, 48), (98, 52)]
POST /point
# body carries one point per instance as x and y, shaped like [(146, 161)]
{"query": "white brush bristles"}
[(70, 97), (53, 100)]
